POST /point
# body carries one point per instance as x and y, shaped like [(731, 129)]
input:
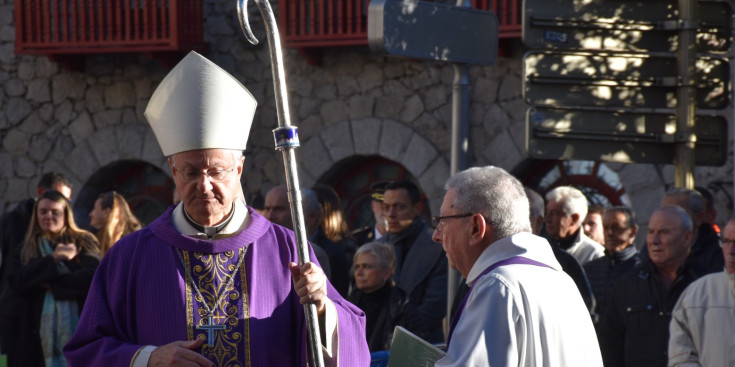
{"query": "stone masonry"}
[(353, 104)]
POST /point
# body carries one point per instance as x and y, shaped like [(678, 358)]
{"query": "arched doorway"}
[(148, 190), (598, 182), (352, 177)]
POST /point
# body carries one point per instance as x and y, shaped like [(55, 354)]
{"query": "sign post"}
[(439, 32), (630, 67)]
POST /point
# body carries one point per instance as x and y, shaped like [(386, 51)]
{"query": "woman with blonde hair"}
[(52, 273), (112, 218)]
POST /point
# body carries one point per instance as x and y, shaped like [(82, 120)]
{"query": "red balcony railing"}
[(106, 26), (325, 23)]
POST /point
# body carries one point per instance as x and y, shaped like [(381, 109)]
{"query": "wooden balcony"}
[(64, 28), (313, 24)]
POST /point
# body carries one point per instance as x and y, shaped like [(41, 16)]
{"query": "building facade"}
[(361, 117)]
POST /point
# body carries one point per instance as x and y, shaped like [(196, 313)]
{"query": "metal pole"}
[(686, 96), (460, 127), (286, 137)]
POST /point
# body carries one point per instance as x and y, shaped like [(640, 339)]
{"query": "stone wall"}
[(353, 104)]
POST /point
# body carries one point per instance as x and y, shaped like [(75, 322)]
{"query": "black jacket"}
[(13, 226), (421, 272), (707, 249), (571, 266), (338, 261), (31, 281), (603, 272), (390, 308), (634, 328)]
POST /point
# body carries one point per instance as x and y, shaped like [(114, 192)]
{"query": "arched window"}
[(148, 190), (599, 183), (352, 177)]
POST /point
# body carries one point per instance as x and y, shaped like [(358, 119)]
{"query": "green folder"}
[(408, 350)]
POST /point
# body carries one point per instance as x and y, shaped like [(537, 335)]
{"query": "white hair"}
[(571, 199), (494, 193)]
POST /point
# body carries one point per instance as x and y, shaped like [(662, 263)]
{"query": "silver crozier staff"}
[(286, 137)]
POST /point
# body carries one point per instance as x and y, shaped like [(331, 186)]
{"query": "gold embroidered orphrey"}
[(215, 285)]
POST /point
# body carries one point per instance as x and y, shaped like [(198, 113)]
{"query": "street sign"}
[(622, 25), (601, 67), (626, 137), (619, 80), (433, 31)]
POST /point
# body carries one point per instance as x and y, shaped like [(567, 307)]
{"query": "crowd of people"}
[(547, 280), (48, 265)]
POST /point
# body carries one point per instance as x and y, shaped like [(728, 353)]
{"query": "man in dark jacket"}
[(620, 254), (634, 328), (421, 266), (13, 226)]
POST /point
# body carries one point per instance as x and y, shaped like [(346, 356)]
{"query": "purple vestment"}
[(141, 296)]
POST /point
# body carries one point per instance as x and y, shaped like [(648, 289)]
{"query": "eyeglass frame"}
[(206, 173), (436, 221)]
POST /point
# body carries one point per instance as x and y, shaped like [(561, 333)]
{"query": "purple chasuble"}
[(460, 308), (141, 296)]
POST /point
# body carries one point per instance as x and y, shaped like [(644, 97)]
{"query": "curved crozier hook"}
[(242, 12)]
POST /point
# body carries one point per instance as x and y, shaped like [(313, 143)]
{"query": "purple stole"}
[(509, 261)]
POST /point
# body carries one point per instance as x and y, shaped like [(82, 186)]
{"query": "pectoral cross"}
[(210, 327)]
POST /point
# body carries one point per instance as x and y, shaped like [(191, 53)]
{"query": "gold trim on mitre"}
[(198, 105)]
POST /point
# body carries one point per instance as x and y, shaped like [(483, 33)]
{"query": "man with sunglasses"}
[(521, 309)]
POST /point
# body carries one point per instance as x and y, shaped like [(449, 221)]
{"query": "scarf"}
[(402, 243), (59, 318)]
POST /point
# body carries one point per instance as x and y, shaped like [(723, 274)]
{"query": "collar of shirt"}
[(239, 221)]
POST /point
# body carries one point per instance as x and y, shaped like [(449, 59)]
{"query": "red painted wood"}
[(57, 27), (327, 23)]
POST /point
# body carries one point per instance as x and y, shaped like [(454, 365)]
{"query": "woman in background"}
[(112, 218), (52, 274), (385, 305)]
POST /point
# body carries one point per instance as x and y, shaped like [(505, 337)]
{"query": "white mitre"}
[(200, 106)]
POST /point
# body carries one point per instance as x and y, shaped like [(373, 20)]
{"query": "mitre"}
[(198, 105)]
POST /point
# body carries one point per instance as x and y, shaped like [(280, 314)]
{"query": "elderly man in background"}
[(620, 254), (210, 282), (568, 263), (705, 248), (634, 328), (566, 208), (703, 322), (522, 309)]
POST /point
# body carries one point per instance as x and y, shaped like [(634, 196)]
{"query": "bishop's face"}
[(208, 182)]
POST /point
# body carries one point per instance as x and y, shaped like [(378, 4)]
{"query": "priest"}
[(210, 282)]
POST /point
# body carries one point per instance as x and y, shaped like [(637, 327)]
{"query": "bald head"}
[(277, 208)]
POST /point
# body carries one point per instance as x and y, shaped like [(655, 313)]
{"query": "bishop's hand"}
[(179, 353), (310, 284)]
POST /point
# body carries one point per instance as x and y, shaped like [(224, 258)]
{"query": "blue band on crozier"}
[(286, 137)]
